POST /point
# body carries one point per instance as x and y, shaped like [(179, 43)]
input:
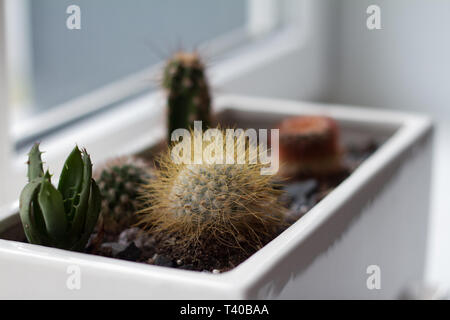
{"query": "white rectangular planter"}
[(377, 216)]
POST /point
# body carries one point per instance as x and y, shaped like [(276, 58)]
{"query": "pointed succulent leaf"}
[(94, 208), (47, 176), (52, 208), (82, 206), (39, 223), (38, 218), (26, 211), (70, 180), (91, 218), (35, 168)]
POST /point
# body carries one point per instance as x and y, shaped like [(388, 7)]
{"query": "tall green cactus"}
[(188, 97), (64, 217)]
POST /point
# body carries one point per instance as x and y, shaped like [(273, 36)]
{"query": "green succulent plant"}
[(188, 96), (63, 217)]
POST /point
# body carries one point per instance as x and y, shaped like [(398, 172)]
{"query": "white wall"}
[(405, 65), (302, 73)]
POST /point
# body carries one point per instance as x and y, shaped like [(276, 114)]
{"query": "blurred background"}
[(89, 84)]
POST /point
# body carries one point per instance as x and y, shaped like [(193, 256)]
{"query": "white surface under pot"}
[(377, 217)]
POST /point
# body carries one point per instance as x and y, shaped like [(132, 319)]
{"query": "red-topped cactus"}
[(309, 145)]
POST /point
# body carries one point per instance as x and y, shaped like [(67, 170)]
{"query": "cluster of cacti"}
[(188, 97), (198, 209), (119, 182), (309, 145), (62, 217), (231, 204)]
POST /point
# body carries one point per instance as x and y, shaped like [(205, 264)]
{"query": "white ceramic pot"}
[(376, 220)]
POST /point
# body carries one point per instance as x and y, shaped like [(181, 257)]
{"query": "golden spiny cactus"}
[(229, 204)]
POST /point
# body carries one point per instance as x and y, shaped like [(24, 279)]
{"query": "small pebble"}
[(215, 271), (300, 193), (304, 188), (128, 235), (112, 248), (131, 253), (187, 267), (163, 261), (145, 242), (304, 209)]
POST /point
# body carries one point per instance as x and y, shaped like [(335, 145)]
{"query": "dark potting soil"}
[(299, 197)]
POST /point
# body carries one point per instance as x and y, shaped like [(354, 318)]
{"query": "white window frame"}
[(5, 152), (263, 16), (273, 65)]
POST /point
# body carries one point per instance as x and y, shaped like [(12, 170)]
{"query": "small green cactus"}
[(188, 97), (119, 182), (65, 217)]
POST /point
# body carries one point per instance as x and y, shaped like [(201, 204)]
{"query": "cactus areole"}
[(63, 217)]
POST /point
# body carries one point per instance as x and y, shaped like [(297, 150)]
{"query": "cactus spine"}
[(64, 217), (188, 97)]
